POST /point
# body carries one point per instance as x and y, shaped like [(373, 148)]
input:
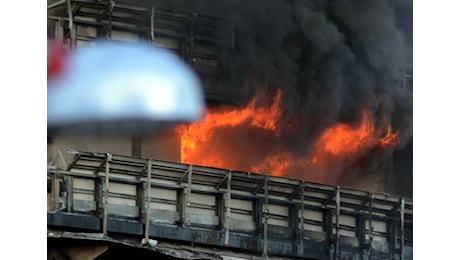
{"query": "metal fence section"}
[(262, 214)]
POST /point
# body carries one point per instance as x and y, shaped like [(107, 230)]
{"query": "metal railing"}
[(220, 207)]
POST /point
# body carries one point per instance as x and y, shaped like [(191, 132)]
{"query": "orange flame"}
[(351, 142), (341, 143), (275, 164), (199, 133)]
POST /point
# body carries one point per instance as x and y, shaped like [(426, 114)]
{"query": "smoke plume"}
[(330, 59)]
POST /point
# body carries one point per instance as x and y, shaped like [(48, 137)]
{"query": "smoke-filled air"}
[(328, 94)]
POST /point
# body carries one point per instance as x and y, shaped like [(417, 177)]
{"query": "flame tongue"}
[(196, 135), (343, 139), (389, 139), (250, 138)]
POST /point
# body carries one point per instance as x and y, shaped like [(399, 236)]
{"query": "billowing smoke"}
[(329, 58)]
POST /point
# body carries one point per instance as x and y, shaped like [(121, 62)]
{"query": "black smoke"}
[(330, 58)]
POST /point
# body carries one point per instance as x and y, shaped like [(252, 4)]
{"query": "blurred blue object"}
[(126, 85)]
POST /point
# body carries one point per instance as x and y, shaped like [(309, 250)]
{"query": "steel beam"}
[(55, 4)]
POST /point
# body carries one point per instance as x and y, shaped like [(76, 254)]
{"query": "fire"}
[(275, 164), (341, 145), (390, 138), (198, 134), (247, 138), (343, 139)]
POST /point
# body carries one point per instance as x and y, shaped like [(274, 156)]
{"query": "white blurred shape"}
[(108, 81), (150, 242)]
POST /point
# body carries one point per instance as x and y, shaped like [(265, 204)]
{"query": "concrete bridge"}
[(188, 211)]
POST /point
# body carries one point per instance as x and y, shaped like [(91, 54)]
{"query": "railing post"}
[(69, 182), (185, 200), (55, 190), (147, 200), (328, 226), (228, 206), (302, 218), (371, 229), (266, 216), (360, 223), (337, 224), (402, 228), (106, 194)]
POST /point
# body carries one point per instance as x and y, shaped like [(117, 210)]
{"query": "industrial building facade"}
[(133, 198)]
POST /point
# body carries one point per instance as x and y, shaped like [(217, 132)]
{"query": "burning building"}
[(321, 91), (316, 91)]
